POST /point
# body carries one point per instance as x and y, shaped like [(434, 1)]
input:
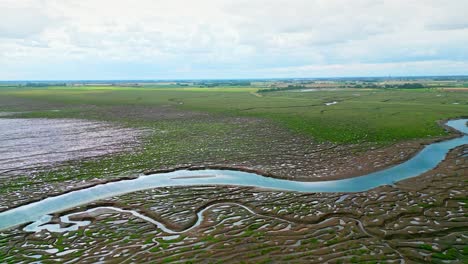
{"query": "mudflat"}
[(282, 134), (29, 145)]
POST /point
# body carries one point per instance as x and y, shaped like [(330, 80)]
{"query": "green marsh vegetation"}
[(367, 115)]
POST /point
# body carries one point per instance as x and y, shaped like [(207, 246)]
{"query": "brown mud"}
[(419, 220)]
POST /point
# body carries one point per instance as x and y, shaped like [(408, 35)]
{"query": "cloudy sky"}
[(167, 39)]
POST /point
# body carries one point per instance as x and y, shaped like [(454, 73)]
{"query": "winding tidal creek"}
[(425, 160)]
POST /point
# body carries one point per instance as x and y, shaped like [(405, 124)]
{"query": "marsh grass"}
[(383, 116)]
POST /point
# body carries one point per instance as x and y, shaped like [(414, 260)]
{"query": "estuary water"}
[(424, 161)]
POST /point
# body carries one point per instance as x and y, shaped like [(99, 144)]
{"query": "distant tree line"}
[(277, 89), (31, 84), (216, 84), (405, 86), (368, 85), (391, 86)]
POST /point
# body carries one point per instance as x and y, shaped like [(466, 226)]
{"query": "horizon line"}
[(233, 79)]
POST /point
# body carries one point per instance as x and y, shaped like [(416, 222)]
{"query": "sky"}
[(219, 39)]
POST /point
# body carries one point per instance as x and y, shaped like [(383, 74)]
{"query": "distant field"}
[(456, 89), (355, 116)]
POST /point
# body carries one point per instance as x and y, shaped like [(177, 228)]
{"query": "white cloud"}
[(225, 38), (21, 22), (411, 68)]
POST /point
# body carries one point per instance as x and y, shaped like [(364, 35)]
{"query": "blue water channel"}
[(425, 160)]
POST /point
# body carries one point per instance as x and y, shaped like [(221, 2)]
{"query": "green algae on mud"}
[(288, 226)]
